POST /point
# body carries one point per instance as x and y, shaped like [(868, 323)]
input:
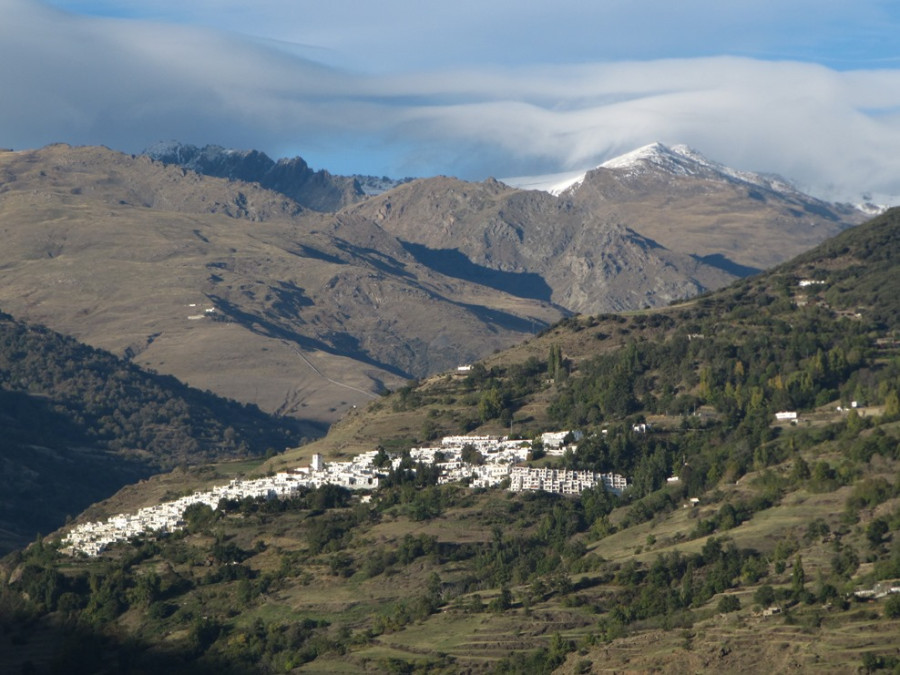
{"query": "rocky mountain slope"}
[(739, 221), (536, 245)]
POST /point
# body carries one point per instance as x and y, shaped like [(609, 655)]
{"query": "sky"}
[(473, 88)]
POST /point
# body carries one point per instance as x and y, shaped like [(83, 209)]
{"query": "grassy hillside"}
[(79, 423), (759, 573)]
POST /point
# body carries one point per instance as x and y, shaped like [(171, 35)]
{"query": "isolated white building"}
[(555, 439)]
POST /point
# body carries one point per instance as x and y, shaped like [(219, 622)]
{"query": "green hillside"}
[(749, 561), (78, 424)]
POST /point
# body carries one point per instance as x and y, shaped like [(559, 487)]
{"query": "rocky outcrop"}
[(316, 190)]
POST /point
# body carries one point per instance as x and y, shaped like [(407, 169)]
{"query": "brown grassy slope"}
[(120, 251)]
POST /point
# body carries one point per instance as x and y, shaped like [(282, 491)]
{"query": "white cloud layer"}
[(126, 83)]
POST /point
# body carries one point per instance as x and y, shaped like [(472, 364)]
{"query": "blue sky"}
[(474, 88)]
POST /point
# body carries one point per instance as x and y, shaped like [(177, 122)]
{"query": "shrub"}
[(764, 596), (892, 606), (729, 603)]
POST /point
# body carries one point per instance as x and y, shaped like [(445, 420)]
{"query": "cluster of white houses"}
[(563, 481), (495, 461)]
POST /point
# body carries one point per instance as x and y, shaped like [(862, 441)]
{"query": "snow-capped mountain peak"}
[(676, 160), (681, 160), (655, 153)]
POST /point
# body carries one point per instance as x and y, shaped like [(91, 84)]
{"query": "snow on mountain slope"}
[(682, 160), (678, 160)]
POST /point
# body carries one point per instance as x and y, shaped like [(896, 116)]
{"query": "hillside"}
[(78, 424), (760, 573)]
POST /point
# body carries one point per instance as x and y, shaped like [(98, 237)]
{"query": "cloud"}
[(406, 35), (808, 122), (129, 83)]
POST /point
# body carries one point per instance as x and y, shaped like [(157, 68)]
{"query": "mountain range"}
[(235, 273)]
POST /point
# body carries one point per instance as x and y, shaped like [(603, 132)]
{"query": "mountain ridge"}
[(122, 252), (317, 190)]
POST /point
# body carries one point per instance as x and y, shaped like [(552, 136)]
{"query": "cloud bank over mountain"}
[(366, 94)]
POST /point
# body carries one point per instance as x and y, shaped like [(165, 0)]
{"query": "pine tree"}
[(555, 362), (798, 575)]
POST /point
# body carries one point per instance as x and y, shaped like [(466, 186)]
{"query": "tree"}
[(490, 405), (502, 602), (203, 632), (471, 455), (892, 607), (798, 576), (146, 589), (199, 516), (555, 362), (764, 595), (729, 603), (801, 471), (876, 530), (382, 459), (855, 423), (892, 404)]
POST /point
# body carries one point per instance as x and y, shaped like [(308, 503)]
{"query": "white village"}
[(496, 459)]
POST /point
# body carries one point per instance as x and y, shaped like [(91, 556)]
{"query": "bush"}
[(729, 603), (892, 606), (764, 596)]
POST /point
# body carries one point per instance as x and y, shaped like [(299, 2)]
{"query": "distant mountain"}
[(652, 226), (739, 221), (234, 288), (317, 190), (534, 245), (680, 160), (240, 289)]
